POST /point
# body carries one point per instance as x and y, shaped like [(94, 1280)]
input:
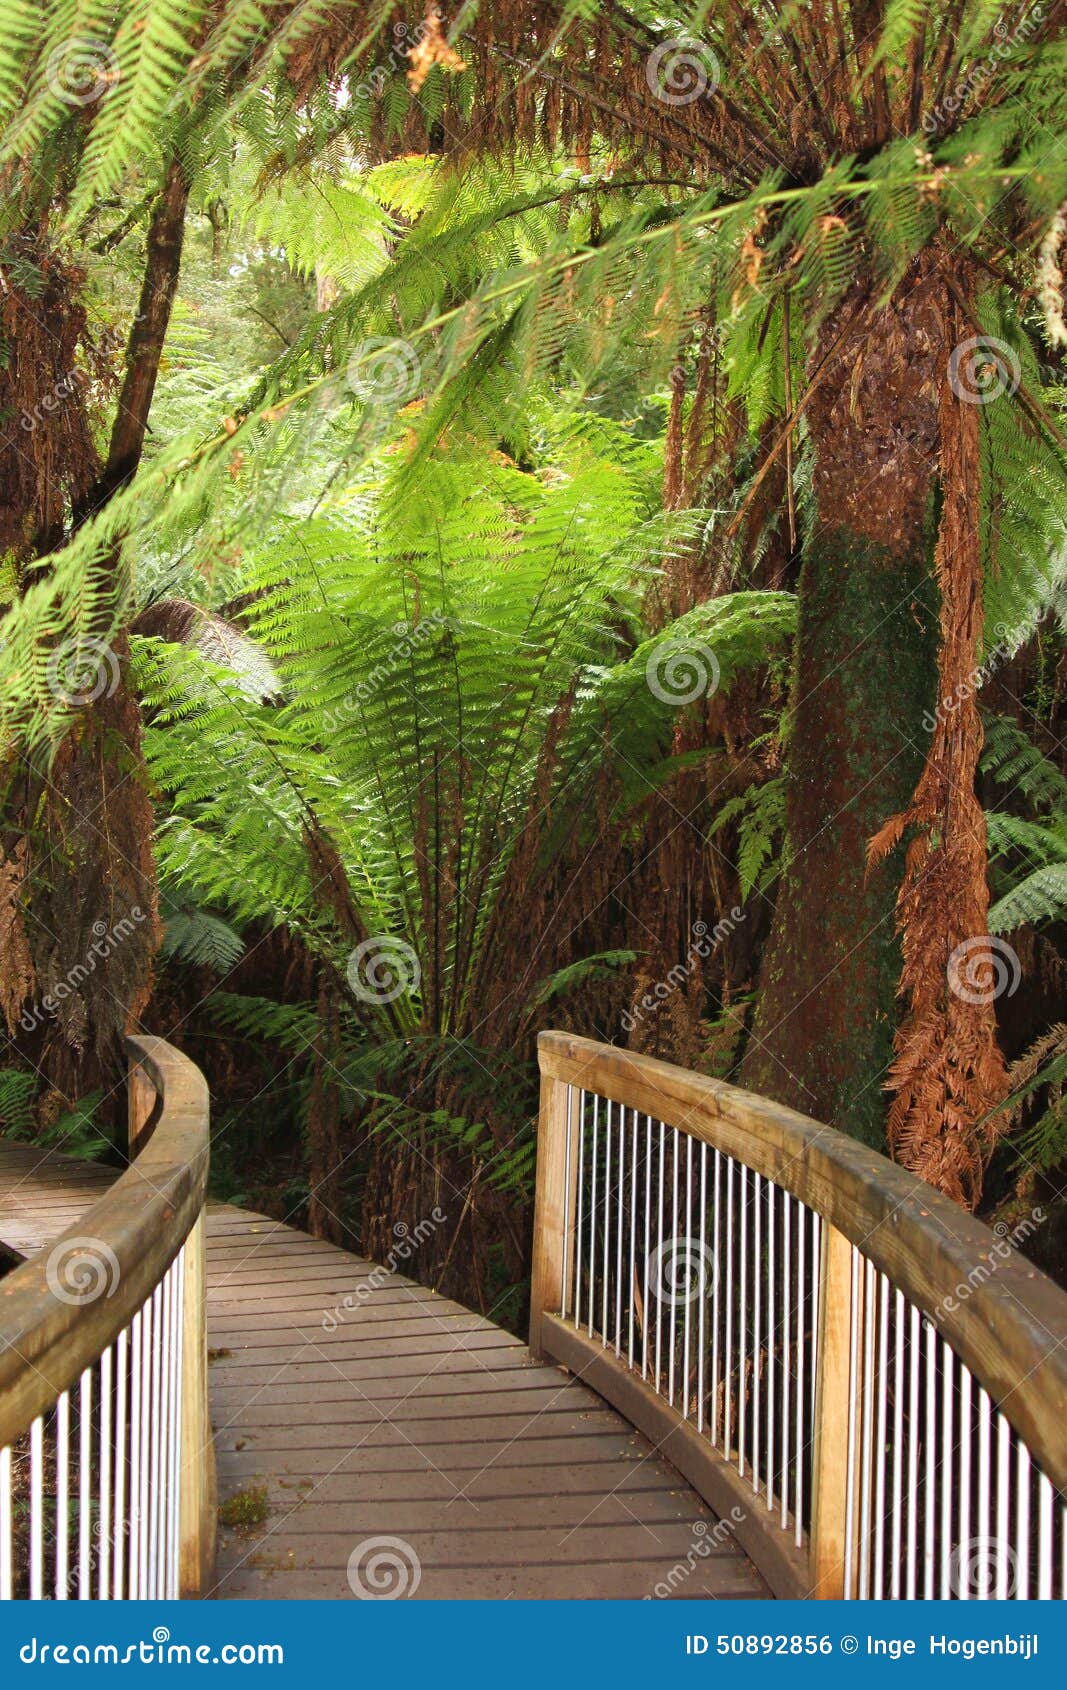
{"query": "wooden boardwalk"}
[(396, 1443)]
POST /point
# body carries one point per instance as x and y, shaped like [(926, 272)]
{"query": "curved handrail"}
[(1007, 1327), (141, 1223)]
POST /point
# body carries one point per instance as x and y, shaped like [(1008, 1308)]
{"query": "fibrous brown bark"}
[(949, 1074), (88, 915)]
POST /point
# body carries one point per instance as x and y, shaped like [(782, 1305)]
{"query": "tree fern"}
[(1040, 896), (760, 814)]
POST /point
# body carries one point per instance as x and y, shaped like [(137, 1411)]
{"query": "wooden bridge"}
[(763, 1362)]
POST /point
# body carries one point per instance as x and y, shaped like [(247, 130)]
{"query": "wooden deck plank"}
[(364, 1406)]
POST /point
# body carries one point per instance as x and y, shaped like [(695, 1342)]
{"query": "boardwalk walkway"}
[(402, 1417)]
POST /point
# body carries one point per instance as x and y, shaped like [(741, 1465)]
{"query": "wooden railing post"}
[(830, 1498), (553, 1207), (198, 1503)]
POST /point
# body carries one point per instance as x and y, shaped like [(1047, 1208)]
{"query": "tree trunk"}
[(865, 675), (163, 257), (89, 929)]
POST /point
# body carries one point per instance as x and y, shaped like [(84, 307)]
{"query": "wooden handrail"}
[(1007, 1326), (153, 1211), (964, 1306)]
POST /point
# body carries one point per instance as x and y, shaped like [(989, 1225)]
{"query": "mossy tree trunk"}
[(77, 869), (865, 675)]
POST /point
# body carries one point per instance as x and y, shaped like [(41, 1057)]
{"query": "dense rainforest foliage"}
[(523, 516)]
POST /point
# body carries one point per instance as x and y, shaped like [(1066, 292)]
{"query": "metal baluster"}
[(618, 1230), (163, 1435), (607, 1224), (633, 1233), (985, 1478), (879, 1499), (772, 1332), (728, 1346), (700, 1270), (1003, 1506), (62, 1438), (701, 1344), (592, 1213), (930, 1463), (787, 1202), (566, 1204), (742, 1312), (816, 1286), (648, 1241), (136, 1588), (1022, 1523), (850, 1457), (153, 1445), (913, 1456), (947, 1447), (964, 1529), (103, 1537), (37, 1510), (898, 1441), (673, 1328), (798, 1455), (85, 1464), (715, 1304), (121, 1387), (757, 1335), (659, 1261)]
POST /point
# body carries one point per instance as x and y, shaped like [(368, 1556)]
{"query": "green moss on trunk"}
[(865, 675)]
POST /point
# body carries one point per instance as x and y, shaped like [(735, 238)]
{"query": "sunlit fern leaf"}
[(1041, 896), (565, 980), (202, 939)]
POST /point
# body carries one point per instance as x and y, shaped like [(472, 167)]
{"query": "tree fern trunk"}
[(89, 929), (865, 675)]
